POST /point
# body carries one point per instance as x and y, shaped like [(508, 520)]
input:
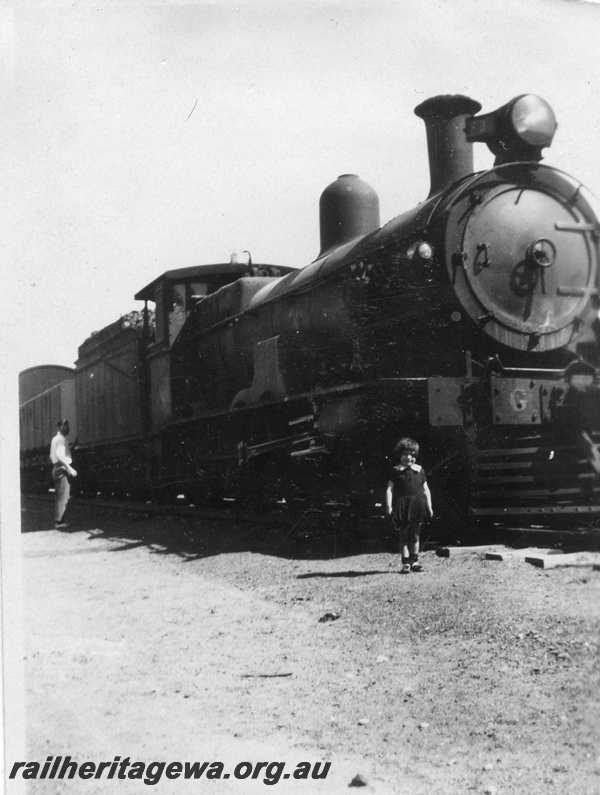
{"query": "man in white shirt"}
[(61, 472)]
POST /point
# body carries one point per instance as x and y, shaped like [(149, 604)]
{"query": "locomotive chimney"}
[(348, 208), (450, 154)]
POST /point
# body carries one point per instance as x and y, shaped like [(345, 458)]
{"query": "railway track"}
[(313, 524), (230, 512)]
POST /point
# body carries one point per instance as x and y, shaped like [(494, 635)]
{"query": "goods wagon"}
[(35, 380), (38, 418)]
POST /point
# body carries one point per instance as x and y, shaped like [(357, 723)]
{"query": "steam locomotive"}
[(469, 322)]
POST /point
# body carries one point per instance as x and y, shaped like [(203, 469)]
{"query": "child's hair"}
[(406, 445)]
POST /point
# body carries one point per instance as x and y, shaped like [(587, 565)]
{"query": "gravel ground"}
[(172, 640)]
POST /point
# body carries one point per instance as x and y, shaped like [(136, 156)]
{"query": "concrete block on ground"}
[(481, 550), (574, 559), (506, 553)]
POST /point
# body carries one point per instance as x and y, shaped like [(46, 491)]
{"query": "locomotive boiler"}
[(469, 322)]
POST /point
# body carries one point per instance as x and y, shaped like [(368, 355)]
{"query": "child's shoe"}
[(415, 565), (405, 567)]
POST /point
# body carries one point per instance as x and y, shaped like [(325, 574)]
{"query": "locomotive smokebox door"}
[(523, 258)]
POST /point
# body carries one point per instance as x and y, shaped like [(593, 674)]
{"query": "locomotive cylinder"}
[(450, 154)]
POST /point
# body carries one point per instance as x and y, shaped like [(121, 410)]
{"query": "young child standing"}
[(408, 501)]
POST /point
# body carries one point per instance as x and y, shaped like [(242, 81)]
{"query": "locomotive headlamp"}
[(517, 131), (425, 251), (421, 250), (533, 120)]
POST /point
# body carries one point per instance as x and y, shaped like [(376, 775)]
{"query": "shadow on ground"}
[(191, 537), (305, 537)]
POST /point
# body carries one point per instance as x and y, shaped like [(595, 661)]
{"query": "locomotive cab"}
[(174, 295)]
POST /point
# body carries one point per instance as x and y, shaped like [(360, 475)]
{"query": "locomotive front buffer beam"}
[(513, 401), (532, 441)]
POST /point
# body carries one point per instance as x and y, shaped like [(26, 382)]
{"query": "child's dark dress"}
[(410, 502)]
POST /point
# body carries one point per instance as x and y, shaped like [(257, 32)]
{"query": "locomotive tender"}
[(469, 322)]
